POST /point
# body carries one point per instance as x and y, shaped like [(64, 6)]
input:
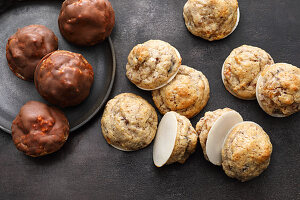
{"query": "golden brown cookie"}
[(246, 152), (211, 19), (278, 90), (152, 64), (186, 94), (242, 68), (129, 122)]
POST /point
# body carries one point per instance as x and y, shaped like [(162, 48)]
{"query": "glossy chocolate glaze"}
[(27, 47), (64, 78), (39, 129), (86, 22)]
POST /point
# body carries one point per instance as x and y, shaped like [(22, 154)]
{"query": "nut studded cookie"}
[(242, 68), (39, 129), (186, 94), (211, 19), (278, 90), (152, 64), (129, 122), (247, 151)]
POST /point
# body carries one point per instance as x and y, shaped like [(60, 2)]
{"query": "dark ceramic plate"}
[(15, 92)]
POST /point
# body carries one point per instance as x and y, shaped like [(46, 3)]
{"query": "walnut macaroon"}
[(39, 129), (246, 152), (211, 19), (153, 64), (64, 78), (27, 47), (278, 90), (242, 68), (186, 94), (86, 22), (175, 141), (204, 125), (242, 148), (129, 122)]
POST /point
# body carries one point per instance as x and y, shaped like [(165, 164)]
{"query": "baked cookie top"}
[(205, 123), (246, 152), (152, 64), (278, 90), (211, 19), (129, 122), (242, 68), (186, 140), (186, 94)]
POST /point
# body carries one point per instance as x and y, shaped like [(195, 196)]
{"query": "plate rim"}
[(114, 66)]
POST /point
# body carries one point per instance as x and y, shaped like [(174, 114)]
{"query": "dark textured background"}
[(88, 168)]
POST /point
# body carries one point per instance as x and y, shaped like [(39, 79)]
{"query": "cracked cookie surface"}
[(242, 68), (186, 94), (246, 152), (152, 64), (210, 19), (129, 122), (278, 89)]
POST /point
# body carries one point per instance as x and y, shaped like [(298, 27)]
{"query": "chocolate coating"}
[(27, 47), (64, 78), (39, 129), (86, 22)]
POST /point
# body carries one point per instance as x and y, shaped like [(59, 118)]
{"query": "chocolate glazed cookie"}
[(64, 78), (27, 47), (86, 22), (39, 129)]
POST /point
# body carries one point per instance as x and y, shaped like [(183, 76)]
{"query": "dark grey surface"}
[(16, 92), (88, 168)]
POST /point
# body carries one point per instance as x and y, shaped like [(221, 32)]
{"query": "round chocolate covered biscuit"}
[(39, 129), (27, 47), (86, 22), (64, 78)]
